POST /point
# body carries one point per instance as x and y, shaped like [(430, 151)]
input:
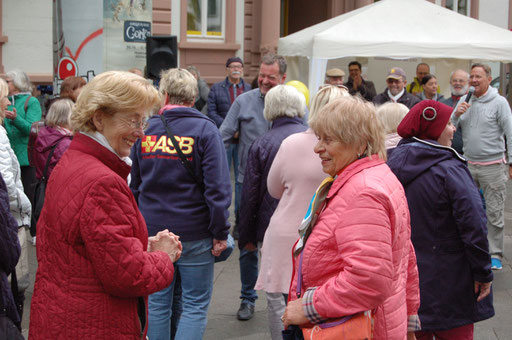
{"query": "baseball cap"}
[(396, 73)]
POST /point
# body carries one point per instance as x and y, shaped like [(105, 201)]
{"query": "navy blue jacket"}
[(448, 231), (9, 253), (257, 206), (168, 196), (219, 100)]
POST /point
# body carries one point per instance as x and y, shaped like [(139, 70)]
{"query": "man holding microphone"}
[(485, 120)]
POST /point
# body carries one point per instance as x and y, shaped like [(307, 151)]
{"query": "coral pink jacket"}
[(359, 255)]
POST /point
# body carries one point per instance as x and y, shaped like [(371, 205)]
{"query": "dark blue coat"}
[(257, 206), (219, 100), (9, 253), (448, 231), (168, 196)]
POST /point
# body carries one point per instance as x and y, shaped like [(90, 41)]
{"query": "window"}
[(205, 18), (459, 6)]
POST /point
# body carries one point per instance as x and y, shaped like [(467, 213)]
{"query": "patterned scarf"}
[(316, 206)]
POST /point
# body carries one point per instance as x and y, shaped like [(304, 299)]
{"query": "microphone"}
[(470, 93)]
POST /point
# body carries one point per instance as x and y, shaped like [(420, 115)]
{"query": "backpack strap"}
[(47, 165), (186, 163)]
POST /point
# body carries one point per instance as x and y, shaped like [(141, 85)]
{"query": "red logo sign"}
[(67, 68)]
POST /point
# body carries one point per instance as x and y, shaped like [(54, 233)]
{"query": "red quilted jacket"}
[(94, 272)]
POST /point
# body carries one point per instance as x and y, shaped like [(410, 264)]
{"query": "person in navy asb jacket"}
[(170, 198)]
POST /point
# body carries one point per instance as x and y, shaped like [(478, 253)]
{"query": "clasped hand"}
[(167, 242), (10, 114), (218, 246)]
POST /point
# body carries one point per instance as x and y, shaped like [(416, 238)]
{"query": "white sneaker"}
[(34, 241)]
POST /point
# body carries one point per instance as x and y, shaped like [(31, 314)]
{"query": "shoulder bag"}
[(353, 327), (186, 163), (40, 189)]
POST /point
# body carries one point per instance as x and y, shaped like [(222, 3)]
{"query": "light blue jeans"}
[(196, 270)]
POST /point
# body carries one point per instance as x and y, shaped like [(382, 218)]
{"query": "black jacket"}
[(9, 254), (366, 90), (257, 206), (407, 99)]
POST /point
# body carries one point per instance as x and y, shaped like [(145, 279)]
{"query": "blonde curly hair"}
[(353, 122), (113, 92)]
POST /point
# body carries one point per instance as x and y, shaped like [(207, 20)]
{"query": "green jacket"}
[(18, 130)]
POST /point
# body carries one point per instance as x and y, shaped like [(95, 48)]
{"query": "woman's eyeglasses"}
[(136, 124)]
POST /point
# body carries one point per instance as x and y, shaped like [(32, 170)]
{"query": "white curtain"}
[(317, 68)]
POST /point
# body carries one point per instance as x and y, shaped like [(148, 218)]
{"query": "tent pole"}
[(508, 90)]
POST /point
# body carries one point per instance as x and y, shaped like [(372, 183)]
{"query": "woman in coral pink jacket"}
[(95, 272), (355, 240), (293, 186)]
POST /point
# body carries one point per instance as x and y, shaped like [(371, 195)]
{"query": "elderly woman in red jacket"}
[(95, 271), (354, 253)]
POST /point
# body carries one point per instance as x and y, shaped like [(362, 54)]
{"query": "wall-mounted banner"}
[(136, 31), (126, 23)]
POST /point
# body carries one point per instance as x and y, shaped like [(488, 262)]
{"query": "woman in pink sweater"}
[(355, 248)]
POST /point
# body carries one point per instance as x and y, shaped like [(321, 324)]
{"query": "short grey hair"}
[(59, 113), (459, 70), (271, 59), (283, 101), (486, 68), (195, 72), (20, 80), (180, 85), (390, 115)]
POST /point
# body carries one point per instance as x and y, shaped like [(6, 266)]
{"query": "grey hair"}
[(20, 80), (283, 101), (486, 68), (390, 115), (271, 59), (180, 85), (458, 70), (192, 69), (59, 113)]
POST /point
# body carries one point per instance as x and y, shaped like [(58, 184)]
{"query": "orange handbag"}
[(353, 327)]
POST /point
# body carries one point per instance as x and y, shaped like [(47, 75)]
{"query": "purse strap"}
[(299, 279), (47, 165), (186, 163)]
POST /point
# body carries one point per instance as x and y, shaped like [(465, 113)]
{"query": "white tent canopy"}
[(397, 29)]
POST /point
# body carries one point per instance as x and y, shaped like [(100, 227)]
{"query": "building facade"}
[(208, 31)]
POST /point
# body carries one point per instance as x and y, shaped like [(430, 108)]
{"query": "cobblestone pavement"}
[(222, 322)]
